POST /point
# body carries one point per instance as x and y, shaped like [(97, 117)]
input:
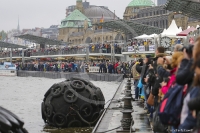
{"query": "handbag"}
[(150, 100), (156, 123)]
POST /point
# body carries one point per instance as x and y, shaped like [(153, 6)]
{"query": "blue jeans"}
[(136, 89)]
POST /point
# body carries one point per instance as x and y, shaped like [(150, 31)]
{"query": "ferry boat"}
[(8, 69)]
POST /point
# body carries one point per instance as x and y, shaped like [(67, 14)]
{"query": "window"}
[(147, 14), (150, 13)]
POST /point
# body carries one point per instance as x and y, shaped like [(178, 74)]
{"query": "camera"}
[(188, 49), (194, 104)]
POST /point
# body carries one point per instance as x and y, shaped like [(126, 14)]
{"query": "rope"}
[(112, 100), (89, 123)]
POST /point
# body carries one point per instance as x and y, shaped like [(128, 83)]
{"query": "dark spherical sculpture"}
[(10, 123), (72, 103)]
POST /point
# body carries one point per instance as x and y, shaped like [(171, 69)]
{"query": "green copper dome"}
[(144, 3), (75, 19)]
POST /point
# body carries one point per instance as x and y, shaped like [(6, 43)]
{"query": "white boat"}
[(8, 69)]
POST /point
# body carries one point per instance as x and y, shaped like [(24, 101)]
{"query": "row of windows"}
[(107, 38), (160, 24), (159, 12)]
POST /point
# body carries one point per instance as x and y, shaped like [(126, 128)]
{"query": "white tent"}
[(180, 28), (197, 26), (172, 30), (164, 31), (144, 36), (153, 35)]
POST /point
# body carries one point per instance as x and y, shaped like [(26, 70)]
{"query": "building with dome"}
[(145, 12), (135, 6), (77, 27)]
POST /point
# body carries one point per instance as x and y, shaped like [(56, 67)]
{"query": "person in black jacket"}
[(160, 53), (144, 72)]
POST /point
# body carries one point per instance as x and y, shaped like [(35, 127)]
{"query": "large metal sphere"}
[(72, 103), (10, 123)]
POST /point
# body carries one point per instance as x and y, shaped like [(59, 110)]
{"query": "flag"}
[(101, 21)]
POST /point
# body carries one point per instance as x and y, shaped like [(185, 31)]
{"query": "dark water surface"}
[(23, 96)]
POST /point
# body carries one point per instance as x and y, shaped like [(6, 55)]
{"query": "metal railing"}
[(118, 50)]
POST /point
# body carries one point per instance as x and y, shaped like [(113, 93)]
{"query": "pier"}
[(56, 75), (111, 117)]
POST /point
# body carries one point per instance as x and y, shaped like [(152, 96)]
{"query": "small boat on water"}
[(8, 69)]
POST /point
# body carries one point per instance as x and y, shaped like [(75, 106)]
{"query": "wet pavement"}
[(23, 96), (112, 116)]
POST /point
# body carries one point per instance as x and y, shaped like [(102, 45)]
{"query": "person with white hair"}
[(178, 47)]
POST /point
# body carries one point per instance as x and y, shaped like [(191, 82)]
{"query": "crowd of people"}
[(170, 87), (93, 48), (117, 67)]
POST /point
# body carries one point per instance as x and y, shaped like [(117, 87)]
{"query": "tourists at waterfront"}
[(161, 77)]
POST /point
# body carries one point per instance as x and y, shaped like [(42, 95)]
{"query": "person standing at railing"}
[(101, 67), (110, 67)]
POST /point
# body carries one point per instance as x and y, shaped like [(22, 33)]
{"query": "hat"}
[(148, 56)]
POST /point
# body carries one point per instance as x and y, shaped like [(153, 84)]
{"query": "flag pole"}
[(102, 28)]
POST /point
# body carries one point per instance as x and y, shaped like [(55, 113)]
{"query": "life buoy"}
[(75, 123), (57, 90), (78, 85), (6, 66), (69, 96), (60, 119), (86, 110), (48, 110)]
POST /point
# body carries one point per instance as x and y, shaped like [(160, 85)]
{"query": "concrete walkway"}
[(112, 116)]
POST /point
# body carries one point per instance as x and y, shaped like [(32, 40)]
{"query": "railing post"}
[(11, 49), (22, 56)]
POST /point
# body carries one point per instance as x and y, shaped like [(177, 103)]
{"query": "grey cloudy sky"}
[(43, 13)]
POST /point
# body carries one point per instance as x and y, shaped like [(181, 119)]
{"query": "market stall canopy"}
[(144, 36), (10, 45), (172, 30), (153, 35), (41, 40), (186, 32)]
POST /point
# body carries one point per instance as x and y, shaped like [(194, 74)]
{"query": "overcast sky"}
[(43, 13)]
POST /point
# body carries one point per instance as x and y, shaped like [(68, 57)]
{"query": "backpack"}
[(171, 105)]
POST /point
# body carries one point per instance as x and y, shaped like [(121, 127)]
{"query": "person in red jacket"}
[(115, 67)]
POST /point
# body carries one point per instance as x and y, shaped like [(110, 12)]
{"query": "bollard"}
[(128, 89), (126, 121), (127, 103)]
